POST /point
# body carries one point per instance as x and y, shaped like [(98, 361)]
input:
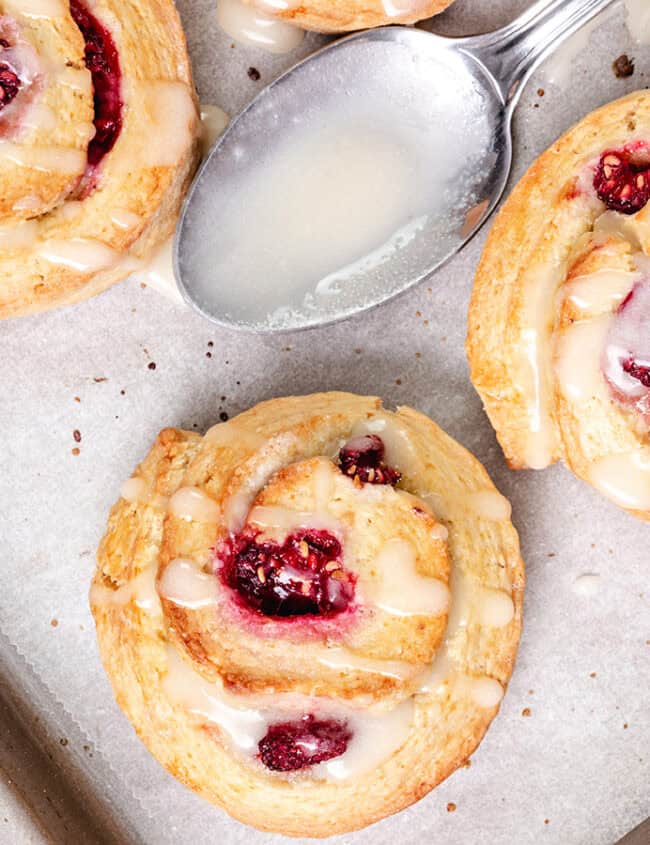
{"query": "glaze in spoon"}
[(359, 171)]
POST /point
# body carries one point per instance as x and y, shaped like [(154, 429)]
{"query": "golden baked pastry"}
[(348, 15), (310, 614), (98, 143), (559, 322)]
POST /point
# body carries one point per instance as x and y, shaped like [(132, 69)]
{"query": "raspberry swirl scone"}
[(311, 613), (98, 143), (559, 322), (349, 15)]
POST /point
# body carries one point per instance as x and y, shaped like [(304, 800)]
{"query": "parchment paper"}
[(567, 760)]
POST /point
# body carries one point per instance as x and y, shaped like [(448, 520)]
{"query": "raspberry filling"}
[(21, 76), (303, 576), (363, 458), (640, 372), (9, 82), (622, 178), (102, 61), (290, 746), (626, 359)]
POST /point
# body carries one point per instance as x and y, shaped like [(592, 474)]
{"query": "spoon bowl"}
[(358, 172)]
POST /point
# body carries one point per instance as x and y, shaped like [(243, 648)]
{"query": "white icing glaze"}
[(329, 234), (38, 116), (237, 506), (338, 657), (399, 589), (587, 584), (70, 209), (157, 271), (184, 583), (22, 235), (78, 79), (470, 604), (406, 8), (36, 8), (192, 504), (624, 478), (85, 131), (375, 735), (628, 337), (399, 451), (577, 359), (532, 367), (638, 20), (489, 504), (124, 219), (168, 114), (30, 202), (323, 486), (185, 687), (486, 692), (496, 608), (140, 590), (537, 449), (227, 434), (135, 490), (45, 159), (249, 25), (276, 522), (276, 5), (439, 532), (213, 122), (599, 293), (611, 223), (82, 254)]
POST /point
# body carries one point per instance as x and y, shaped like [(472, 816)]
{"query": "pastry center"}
[(302, 576), (622, 178), (626, 360), (363, 458), (290, 746), (102, 61)]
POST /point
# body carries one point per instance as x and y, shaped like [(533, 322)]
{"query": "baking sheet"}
[(566, 761)]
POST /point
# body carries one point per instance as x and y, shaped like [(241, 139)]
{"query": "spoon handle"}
[(514, 51)]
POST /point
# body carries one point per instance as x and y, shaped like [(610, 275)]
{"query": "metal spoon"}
[(483, 79)]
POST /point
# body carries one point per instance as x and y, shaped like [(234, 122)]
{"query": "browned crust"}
[(152, 47), (348, 15), (544, 219), (446, 729)]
